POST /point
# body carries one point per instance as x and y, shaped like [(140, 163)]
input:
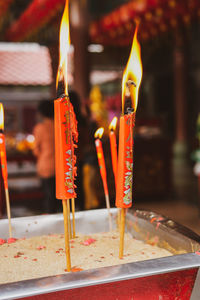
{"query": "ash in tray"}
[(45, 255)]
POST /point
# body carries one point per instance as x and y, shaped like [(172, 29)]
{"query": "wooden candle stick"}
[(4, 167), (66, 229), (69, 219), (73, 217), (131, 79), (102, 167)]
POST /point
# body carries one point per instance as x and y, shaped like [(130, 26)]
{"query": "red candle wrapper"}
[(65, 137), (125, 162), (3, 160)]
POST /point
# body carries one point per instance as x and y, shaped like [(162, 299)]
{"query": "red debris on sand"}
[(57, 251), (88, 242), (2, 241), (72, 241), (72, 246), (11, 240), (41, 247), (60, 249), (16, 256), (34, 259), (25, 257)]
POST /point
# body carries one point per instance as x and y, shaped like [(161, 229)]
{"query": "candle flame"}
[(133, 72), (64, 48), (113, 124), (1, 117), (99, 132)]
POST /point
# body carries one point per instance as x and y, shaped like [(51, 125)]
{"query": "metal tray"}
[(163, 277)]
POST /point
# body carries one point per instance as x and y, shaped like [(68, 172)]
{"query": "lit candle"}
[(98, 135), (113, 147), (4, 167), (131, 78), (66, 136)]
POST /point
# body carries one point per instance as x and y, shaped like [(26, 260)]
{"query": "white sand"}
[(45, 255)]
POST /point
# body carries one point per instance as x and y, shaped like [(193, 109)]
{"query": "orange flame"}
[(133, 71), (64, 48), (99, 132), (1, 117), (113, 124)]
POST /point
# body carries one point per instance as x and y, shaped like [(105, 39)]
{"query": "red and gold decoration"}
[(113, 147), (155, 17), (115, 28), (130, 83), (4, 167), (66, 136), (102, 166), (37, 14)]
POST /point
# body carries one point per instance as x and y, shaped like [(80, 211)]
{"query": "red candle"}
[(4, 166), (102, 167), (101, 160), (113, 147), (130, 87), (125, 161), (65, 137)]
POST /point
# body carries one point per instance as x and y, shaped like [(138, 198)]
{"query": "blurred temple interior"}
[(166, 175)]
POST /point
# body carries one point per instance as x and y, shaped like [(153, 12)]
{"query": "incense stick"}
[(118, 218), (109, 213), (69, 221), (122, 229), (66, 229), (8, 212), (73, 216)]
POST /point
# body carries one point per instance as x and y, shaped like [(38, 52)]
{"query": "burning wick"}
[(129, 83)]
